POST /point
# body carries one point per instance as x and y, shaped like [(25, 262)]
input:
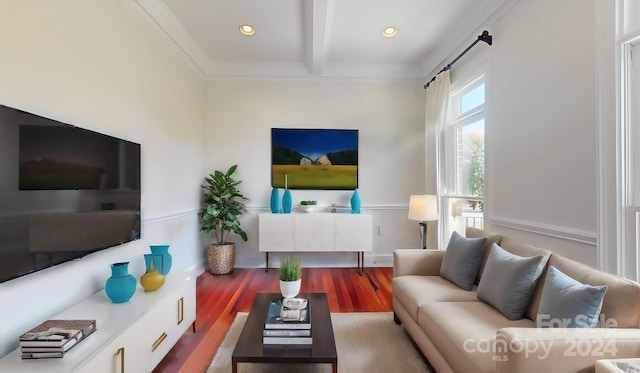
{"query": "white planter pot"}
[(290, 289)]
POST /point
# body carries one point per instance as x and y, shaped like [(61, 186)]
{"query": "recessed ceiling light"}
[(247, 30), (389, 32)]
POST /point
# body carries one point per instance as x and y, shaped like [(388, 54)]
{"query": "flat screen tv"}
[(65, 192), (309, 158)]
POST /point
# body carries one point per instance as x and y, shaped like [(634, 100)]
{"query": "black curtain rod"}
[(482, 37)]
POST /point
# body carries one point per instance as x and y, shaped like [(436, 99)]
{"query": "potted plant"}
[(290, 275), (222, 205), (307, 206)]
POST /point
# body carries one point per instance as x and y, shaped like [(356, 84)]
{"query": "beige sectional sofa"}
[(457, 332)]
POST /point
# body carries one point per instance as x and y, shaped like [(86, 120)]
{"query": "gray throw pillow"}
[(462, 260), (508, 281), (567, 303)]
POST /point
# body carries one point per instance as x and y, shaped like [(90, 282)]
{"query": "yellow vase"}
[(152, 280)]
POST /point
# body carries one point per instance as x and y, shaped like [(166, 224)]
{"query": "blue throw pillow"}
[(568, 303), (462, 260), (508, 281)]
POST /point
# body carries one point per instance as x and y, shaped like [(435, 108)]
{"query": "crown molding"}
[(164, 24)]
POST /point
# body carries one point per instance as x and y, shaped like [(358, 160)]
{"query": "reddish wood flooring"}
[(219, 298)]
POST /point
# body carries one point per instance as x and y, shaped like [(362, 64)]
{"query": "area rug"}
[(366, 342)]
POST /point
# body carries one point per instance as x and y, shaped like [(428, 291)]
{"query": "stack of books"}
[(53, 338), (288, 322)]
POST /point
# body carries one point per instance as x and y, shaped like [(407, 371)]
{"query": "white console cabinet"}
[(130, 337), (315, 232)]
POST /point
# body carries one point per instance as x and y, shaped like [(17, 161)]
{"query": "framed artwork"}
[(306, 158)]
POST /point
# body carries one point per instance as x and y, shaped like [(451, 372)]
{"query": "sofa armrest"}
[(546, 349), (417, 262)]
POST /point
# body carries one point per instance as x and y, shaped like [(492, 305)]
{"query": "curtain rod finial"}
[(486, 37)]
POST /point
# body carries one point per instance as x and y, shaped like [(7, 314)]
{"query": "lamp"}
[(423, 208)]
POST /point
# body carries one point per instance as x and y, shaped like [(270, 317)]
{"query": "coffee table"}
[(249, 348)]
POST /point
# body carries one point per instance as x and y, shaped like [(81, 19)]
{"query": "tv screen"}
[(65, 192), (308, 158)]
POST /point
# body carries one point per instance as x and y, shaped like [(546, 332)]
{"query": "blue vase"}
[(156, 259), (286, 201), (164, 264), (121, 285), (275, 200), (355, 202)]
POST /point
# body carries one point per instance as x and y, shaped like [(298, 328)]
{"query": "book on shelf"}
[(286, 333), (285, 316), (62, 334), (65, 347), (287, 340), (42, 355)]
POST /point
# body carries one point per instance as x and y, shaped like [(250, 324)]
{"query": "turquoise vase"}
[(161, 258), (355, 202), (121, 285), (286, 201), (275, 201)]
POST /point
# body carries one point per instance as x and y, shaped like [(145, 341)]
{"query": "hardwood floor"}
[(219, 298)]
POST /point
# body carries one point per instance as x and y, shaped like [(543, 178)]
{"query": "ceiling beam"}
[(318, 16)]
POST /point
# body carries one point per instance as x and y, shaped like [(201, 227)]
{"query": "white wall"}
[(95, 65), (541, 127), (390, 120)]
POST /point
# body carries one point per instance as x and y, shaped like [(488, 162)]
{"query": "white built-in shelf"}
[(135, 335)]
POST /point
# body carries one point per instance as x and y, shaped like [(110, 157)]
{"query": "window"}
[(462, 175)]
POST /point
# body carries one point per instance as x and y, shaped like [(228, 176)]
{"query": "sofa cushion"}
[(567, 303), (492, 238), (462, 259), (465, 333), (508, 281), (414, 291), (523, 249), (622, 299)]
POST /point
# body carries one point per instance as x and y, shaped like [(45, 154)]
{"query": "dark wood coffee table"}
[(250, 349)]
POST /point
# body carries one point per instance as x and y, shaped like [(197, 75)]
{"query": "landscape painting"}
[(305, 158)]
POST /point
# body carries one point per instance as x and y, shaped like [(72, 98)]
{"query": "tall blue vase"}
[(286, 201), (121, 285), (164, 264), (355, 202), (275, 200)]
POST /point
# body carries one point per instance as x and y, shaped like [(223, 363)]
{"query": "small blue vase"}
[(355, 202), (164, 264), (286, 201), (121, 285), (156, 259), (275, 201)]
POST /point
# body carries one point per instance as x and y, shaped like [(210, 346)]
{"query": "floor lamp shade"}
[(423, 207)]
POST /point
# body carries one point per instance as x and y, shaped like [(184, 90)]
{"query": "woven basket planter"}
[(221, 258)]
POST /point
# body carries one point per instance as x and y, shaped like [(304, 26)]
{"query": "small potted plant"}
[(290, 275), (222, 205), (308, 206)]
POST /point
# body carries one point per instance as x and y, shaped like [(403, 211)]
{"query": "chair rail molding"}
[(549, 230)]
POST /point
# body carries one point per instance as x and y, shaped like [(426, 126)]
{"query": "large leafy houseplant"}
[(222, 205)]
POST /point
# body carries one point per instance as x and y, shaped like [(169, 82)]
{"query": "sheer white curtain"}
[(435, 121)]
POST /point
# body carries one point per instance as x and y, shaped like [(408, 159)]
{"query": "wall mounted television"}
[(65, 192), (309, 158)]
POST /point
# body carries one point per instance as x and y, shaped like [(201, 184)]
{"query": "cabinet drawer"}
[(127, 353), (275, 232), (171, 318)]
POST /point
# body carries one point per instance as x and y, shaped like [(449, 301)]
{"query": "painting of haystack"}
[(304, 158)]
